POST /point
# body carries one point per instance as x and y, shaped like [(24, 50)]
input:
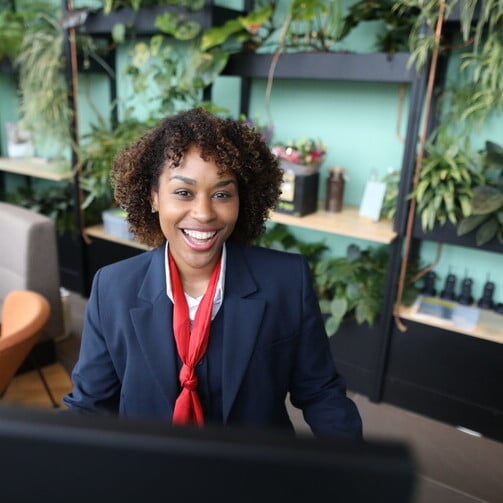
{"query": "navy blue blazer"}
[(274, 344)]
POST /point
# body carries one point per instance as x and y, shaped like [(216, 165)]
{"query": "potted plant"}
[(486, 215), (300, 161), (302, 157), (445, 189), (352, 287), (94, 159), (279, 237)]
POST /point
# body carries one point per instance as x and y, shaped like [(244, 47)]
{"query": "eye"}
[(183, 193), (222, 195)]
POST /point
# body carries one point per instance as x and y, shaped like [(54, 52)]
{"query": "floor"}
[(452, 466)]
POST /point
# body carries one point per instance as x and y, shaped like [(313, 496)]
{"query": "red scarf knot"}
[(188, 377)]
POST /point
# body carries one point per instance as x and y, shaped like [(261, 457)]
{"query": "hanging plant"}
[(477, 89), (44, 107)]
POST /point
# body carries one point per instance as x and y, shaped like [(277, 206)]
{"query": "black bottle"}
[(335, 190)]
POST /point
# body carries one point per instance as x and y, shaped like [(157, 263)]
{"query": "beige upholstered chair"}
[(24, 315), (29, 260)]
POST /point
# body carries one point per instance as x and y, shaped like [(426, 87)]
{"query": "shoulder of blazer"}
[(262, 264), (133, 271), (264, 256)]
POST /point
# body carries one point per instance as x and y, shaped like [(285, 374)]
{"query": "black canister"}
[(335, 190)]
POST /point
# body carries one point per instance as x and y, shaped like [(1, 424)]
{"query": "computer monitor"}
[(52, 457)]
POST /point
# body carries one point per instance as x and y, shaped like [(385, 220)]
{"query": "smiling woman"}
[(206, 328)]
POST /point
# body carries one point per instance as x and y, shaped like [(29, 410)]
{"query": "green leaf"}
[(167, 22), (331, 326), (119, 33), (494, 153), (486, 199), (338, 308), (470, 223), (256, 18), (219, 34), (487, 232), (187, 31)]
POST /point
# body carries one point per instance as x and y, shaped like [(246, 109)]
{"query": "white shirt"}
[(192, 302)]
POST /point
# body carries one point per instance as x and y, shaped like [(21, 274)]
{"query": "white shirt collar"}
[(192, 302)]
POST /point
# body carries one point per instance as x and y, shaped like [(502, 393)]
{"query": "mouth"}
[(199, 238)]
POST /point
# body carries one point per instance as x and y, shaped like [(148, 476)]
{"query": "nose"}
[(203, 209)]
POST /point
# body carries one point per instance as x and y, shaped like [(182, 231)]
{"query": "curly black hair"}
[(233, 145)]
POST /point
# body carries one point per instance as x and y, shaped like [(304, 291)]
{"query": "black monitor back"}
[(57, 457)]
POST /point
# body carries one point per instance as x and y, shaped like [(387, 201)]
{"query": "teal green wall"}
[(8, 106), (356, 121)]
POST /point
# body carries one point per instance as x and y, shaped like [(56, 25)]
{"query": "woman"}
[(206, 328)]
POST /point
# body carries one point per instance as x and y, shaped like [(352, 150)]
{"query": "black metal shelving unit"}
[(437, 371)]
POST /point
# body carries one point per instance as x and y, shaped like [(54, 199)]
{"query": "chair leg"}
[(44, 381)]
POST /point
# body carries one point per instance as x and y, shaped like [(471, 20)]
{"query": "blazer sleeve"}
[(316, 387), (96, 386)]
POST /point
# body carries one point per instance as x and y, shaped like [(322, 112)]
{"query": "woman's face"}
[(198, 210)]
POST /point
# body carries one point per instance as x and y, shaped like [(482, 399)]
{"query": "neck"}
[(195, 280)]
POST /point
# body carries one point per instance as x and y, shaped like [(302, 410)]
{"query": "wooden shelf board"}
[(97, 231), (36, 167), (489, 327), (348, 222)]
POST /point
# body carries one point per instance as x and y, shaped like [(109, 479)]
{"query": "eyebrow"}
[(191, 181)]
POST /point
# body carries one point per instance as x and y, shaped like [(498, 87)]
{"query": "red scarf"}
[(191, 345)]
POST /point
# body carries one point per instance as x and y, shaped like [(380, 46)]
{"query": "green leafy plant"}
[(54, 201), (486, 216), (95, 156), (345, 286), (445, 189), (11, 33), (279, 237), (391, 180), (353, 284), (177, 65), (44, 107), (111, 5), (477, 90), (397, 22)]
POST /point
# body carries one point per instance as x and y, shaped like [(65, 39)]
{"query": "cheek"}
[(233, 213)]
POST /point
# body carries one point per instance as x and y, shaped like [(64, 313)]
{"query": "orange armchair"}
[(25, 314)]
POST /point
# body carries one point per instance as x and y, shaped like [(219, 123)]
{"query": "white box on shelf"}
[(115, 223)]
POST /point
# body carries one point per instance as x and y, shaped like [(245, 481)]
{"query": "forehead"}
[(193, 164)]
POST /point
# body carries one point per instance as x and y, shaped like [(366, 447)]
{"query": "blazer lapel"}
[(242, 318), (152, 323)]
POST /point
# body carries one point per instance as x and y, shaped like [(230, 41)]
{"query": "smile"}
[(200, 236)]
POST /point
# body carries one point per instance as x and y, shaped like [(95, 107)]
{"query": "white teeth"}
[(199, 235)]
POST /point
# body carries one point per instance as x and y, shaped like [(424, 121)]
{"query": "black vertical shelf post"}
[(77, 242)]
